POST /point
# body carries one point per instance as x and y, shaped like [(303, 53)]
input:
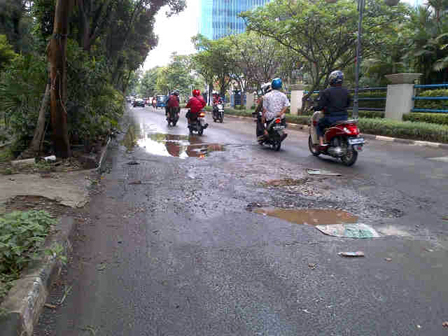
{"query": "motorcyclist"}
[(216, 100), (334, 102), (275, 104), (172, 103), (195, 104), (265, 88)]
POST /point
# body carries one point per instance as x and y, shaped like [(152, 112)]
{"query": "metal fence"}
[(376, 102), (418, 98)]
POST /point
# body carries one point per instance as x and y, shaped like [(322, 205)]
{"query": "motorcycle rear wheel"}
[(350, 157), (201, 131), (313, 150), (277, 145)]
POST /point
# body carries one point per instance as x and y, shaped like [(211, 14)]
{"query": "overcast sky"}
[(175, 34)]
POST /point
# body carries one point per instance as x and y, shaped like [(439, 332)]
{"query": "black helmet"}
[(175, 92), (336, 77)]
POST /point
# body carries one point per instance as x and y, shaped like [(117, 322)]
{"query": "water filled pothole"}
[(181, 146), (310, 216)]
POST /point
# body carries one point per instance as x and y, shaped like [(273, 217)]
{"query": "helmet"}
[(277, 83), (336, 77), (266, 87), (175, 92), (215, 93), (196, 93)]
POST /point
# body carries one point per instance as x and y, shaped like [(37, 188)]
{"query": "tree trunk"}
[(58, 76), (39, 133)]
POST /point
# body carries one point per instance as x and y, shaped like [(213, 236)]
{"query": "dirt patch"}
[(26, 203), (310, 216), (285, 182)]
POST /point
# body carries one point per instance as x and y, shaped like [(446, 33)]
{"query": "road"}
[(173, 241)]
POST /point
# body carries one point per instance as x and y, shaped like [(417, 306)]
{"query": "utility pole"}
[(56, 52)]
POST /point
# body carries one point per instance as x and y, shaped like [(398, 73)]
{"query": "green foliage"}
[(302, 27), (405, 129), (433, 104), (22, 234), (7, 54), (432, 118), (22, 85)]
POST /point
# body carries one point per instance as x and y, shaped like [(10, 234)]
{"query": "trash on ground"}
[(135, 182), (50, 158), (419, 326), (312, 266), (445, 218), (356, 254), (47, 305), (388, 259), (360, 231), (322, 172), (445, 324), (429, 250), (133, 163)]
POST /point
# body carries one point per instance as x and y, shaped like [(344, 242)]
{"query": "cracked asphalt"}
[(170, 244)]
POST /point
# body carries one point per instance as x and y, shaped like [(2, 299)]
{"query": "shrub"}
[(22, 234), (433, 104), (22, 85), (405, 129), (432, 118)]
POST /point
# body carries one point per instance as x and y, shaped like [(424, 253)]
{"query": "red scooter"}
[(342, 138)]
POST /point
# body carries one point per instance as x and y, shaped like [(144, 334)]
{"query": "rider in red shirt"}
[(195, 104)]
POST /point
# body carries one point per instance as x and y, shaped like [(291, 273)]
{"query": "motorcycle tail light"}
[(278, 121), (202, 114), (351, 129)]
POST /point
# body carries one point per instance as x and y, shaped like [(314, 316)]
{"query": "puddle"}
[(310, 216), (181, 146)]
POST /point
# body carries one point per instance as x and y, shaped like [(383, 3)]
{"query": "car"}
[(139, 102)]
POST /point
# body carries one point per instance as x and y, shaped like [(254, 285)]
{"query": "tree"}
[(7, 54), (58, 78), (148, 83), (214, 61), (323, 34)]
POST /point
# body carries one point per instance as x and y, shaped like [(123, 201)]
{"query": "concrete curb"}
[(370, 136), (26, 299)]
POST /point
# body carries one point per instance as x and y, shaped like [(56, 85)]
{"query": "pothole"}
[(180, 146), (310, 216)]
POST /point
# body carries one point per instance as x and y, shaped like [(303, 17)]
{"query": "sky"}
[(175, 34)]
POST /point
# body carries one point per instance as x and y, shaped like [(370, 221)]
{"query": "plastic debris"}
[(47, 305), (388, 259), (445, 324), (322, 172), (133, 163), (360, 231), (50, 158), (357, 254), (312, 266)]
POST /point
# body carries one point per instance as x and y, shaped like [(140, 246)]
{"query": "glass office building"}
[(219, 18)]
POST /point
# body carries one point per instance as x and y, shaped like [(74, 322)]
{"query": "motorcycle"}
[(343, 140), (173, 116), (218, 112), (198, 125), (275, 128)]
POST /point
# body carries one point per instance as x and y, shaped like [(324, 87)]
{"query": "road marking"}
[(441, 159)]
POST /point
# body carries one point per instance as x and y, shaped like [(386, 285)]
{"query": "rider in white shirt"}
[(275, 103)]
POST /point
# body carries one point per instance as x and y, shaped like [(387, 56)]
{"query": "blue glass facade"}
[(219, 18)]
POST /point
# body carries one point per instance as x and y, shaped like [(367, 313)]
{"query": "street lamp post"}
[(361, 6)]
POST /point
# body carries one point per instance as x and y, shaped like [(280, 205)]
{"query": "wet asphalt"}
[(170, 244)]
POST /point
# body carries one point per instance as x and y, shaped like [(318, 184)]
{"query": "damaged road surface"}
[(179, 243)]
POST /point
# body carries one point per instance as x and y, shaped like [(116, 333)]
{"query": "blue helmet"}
[(276, 83), (336, 77)]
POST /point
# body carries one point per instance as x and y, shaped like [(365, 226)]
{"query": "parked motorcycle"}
[(198, 125), (173, 116), (218, 112), (343, 140)]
